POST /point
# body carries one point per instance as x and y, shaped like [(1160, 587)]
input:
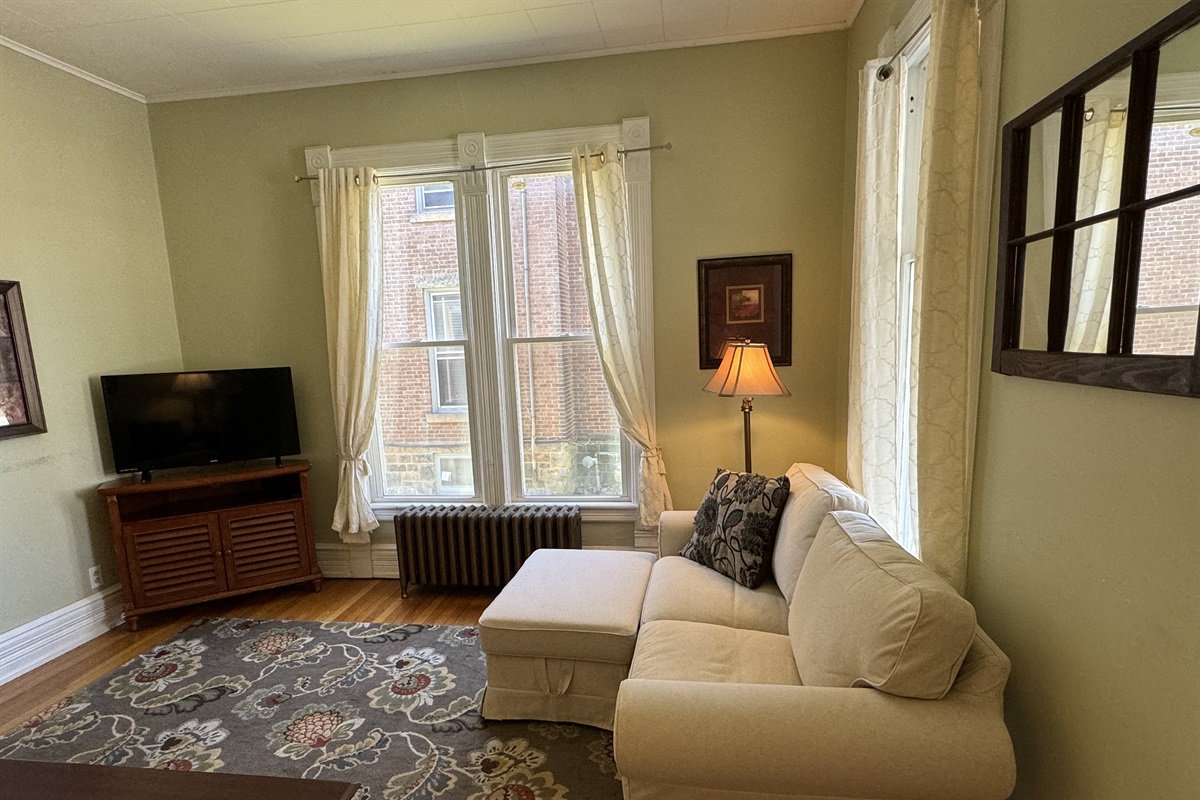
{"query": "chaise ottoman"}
[(559, 637)]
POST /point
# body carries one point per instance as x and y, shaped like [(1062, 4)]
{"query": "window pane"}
[(547, 281), (1169, 280), (1091, 288), (420, 256), (1175, 140), (570, 442), (1043, 173), (414, 436), (1035, 294), (1102, 150)]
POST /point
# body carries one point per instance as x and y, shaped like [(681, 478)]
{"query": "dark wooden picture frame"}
[(747, 297), (20, 401)]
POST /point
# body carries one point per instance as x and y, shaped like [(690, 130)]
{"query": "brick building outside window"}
[(562, 418)]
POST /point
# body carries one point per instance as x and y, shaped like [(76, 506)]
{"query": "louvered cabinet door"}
[(174, 559), (266, 544)]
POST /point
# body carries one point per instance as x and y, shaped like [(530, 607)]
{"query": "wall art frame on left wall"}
[(21, 411)]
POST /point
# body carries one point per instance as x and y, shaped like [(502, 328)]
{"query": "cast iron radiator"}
[(477, 545)]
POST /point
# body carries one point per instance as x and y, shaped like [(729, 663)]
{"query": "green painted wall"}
[(1085, 536), (757, 130), (1085, 544), (81, 229)]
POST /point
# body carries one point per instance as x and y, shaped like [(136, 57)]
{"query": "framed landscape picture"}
[(746, 297), (20, 403)]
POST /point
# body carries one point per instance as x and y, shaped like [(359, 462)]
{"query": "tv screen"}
[(182, 419)]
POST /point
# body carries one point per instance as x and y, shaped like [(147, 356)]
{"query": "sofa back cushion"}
[(813, 493), (866, 613)]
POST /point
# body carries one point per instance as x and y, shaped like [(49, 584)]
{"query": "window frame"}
[(915, 56), (1119, 367), (465, 161)]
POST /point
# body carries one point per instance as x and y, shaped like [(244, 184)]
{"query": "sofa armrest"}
[(805, 740), (674, 531)]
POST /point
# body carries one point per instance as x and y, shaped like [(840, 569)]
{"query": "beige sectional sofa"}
[(904, 692)]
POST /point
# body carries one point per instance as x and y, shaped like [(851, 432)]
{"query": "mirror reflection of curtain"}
[(1102, 153), (1100, 165)]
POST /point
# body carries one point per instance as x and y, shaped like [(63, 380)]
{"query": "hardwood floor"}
[(345, 600)]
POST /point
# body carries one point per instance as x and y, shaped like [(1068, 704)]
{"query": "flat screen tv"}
[(183, 419)]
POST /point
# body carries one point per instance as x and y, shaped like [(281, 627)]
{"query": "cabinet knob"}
[(228, 552)]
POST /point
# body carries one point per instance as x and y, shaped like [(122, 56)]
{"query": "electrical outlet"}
[(95, 577)]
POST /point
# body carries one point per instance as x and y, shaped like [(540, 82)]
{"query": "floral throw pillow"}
[(736, 525)]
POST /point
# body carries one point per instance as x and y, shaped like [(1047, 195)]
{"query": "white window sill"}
[(592, 512)]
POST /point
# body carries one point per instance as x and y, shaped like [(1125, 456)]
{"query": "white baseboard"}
[(378, 560), (46, 638)]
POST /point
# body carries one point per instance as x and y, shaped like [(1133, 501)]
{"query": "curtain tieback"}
[(651, 453), (359, 465)]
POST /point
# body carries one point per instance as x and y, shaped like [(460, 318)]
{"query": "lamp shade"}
[(746, 369)]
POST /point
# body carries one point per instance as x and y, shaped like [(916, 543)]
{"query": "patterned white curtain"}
[(608, 270), (878, 452), (349, 227), (948, 277), (1101, 157)]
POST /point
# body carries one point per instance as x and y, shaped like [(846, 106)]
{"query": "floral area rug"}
[(393, 707)]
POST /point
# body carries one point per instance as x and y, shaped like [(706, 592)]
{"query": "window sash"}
[(506, 277)]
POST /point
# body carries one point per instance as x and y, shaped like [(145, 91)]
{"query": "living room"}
[(171, 235)]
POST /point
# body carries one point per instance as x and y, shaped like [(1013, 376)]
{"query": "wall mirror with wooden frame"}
[(1099, 263)]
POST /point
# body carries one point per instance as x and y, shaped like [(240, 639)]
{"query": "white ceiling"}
[(175, 49)]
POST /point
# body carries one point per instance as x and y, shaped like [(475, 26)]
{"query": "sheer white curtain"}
[(608, 270), (878, 452), (349, 227), (1101, 157)]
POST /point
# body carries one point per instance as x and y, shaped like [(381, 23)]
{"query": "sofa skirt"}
[(552, 689)]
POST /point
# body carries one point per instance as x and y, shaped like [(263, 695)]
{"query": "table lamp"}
[(746, 370)]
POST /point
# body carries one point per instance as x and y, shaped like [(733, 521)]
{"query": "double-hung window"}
[(491, 388)]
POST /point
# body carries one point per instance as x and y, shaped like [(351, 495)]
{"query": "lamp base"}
[(747, 407)]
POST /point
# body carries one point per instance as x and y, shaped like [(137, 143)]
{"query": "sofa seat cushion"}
[(697, 651), (867, 613), (684, 590), (812, 494)]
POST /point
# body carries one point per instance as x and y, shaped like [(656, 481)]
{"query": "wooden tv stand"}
[(201, 534)]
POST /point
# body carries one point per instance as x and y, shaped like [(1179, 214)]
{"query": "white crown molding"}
[(852, 17), (48, 637), (76, 71), (174, 97)]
